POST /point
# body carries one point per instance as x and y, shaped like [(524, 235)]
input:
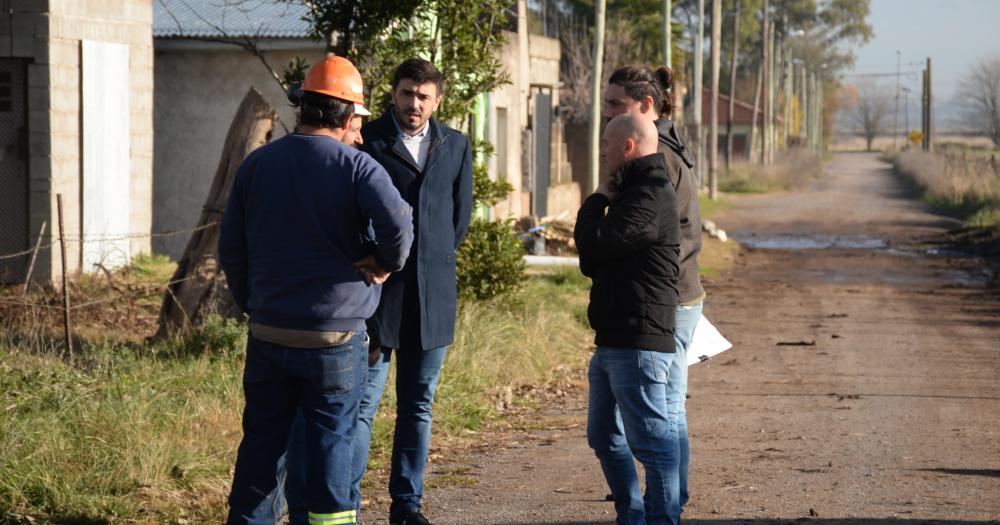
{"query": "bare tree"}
[(869, 105), (979, 95), (577, 69)]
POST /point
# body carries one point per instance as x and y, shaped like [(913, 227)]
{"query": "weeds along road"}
[(863, 386)]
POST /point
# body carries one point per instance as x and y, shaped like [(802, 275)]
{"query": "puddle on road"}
[(855, 274), (812, 242)]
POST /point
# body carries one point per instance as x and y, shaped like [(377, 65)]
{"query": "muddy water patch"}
[(811, 242)]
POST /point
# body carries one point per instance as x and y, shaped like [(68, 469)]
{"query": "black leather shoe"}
[(410, 517)]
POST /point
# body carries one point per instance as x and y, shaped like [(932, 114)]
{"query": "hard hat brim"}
[(361, 111)]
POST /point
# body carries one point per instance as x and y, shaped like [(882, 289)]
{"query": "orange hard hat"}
[(338, 78)]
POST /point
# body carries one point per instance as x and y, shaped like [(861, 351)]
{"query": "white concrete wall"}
[(49, 34), (198, 89)]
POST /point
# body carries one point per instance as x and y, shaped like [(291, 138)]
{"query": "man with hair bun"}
[(639, 91)]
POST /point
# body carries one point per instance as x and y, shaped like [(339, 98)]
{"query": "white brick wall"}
[(48, 33)]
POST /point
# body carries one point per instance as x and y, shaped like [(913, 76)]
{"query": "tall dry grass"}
[(792, 169), (147, 433), (955, 181)]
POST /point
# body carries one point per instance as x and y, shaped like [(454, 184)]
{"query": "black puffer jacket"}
[(631, 253)]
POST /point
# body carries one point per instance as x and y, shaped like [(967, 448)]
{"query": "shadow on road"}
[(796, 521), (989, 473)]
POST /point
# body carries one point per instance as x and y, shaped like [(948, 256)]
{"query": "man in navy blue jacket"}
[(311, 227), (431, 166)]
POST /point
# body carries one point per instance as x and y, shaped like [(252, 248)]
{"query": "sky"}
[(954, 33)]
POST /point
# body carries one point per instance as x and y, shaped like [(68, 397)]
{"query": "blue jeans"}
[(417, 374), (325, 386), (686, 318), (629, 415)]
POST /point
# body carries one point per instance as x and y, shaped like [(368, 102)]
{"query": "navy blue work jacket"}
[(424, 291)]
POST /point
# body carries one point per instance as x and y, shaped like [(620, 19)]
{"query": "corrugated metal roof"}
[(235, 18)]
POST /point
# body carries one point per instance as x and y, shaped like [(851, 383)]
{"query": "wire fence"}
[(31, 309), (111, 237)]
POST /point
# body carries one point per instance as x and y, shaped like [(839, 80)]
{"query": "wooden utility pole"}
[(667, 15), (930, 107), (713, 126), (895, 113), (775, 82), (194, 286), (732, 87), (766, 65), (814, 124), (67, 325), (804, 105), (595, 95), (923, 111), (699, 64), (754, 136)]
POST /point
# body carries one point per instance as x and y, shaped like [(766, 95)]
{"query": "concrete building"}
[(201, 77), (76, 99), (525, 129)]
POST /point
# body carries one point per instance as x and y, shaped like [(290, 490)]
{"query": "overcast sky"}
[(954, 33)]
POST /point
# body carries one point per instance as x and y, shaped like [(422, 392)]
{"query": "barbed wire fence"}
[(60, 240)]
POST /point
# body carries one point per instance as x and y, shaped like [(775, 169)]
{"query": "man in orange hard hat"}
[(311, 228)]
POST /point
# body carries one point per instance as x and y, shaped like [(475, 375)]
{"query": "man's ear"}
[(630, 146), (646, 104)]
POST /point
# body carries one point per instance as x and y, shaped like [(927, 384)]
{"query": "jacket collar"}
[(641, 170), (385, 128), (672, 139)]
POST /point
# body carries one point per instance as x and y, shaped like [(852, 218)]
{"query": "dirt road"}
[(864, 386)]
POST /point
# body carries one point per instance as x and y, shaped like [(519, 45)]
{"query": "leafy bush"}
[(490, 261)]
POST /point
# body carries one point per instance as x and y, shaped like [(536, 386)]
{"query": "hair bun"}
[(666, 77)]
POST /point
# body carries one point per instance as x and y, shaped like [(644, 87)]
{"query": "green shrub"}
[(490, 261)]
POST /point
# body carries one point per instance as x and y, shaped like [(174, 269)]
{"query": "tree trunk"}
[(713, 125), (752, 144), (766, 65), (197, 288), (595, 95), (732, 88)]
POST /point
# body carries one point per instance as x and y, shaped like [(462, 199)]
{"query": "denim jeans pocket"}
[(654, 368), (333, 371)]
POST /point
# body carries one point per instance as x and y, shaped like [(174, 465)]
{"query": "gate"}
[(542, 141), (13, 170)]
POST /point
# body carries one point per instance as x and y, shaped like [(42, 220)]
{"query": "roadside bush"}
[(954, 182), (490, 261)]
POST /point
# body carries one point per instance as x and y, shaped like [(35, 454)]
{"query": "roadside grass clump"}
[(792, 169), (146, 432), (956, 183)]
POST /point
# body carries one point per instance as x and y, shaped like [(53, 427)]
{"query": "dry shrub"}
[(792, 168), (954, 176)]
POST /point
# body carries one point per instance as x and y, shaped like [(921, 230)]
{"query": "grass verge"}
[(792, 169), (139, 433), (954, 182)]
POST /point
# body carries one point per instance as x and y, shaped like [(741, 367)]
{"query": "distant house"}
[(743, 117), (76, 99)]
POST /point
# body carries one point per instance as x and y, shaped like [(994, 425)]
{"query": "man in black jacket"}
[(628, 237)]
